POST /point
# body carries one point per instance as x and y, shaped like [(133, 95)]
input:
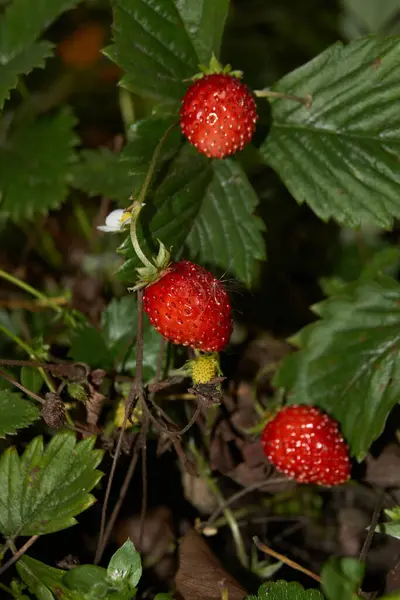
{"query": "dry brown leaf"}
[(200, 575)]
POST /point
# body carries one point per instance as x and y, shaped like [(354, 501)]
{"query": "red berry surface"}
[(189, 306), (218, 115), (306, 445)]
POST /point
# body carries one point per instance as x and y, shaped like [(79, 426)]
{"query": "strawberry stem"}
[(136, 208), (137, 205), (306, 100)]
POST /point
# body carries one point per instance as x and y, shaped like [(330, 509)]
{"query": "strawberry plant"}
[(161, 378)]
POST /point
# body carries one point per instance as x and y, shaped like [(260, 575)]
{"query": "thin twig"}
[(285, 559), (21, 387), (143, 509), (121, 497), (18, 554), (371, 531), (135, 392)]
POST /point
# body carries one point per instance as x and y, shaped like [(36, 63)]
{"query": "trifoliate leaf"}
[(226, 233), (349, 361), (16, 412), (33, 177), (341, 578), (125, 565), (160, 44), (341, 154), (44, 489), (282, 590)]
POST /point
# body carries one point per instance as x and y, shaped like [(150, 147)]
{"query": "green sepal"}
[(150, 274), (213, 67)]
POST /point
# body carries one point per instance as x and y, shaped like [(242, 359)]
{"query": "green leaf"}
[(119, 319), (125, 565), (349, 360), (90, 582), (391, 527), (341, 578), (341, 155), (20, 26), (225, 232), (44, 489), (86, 582), (102, 172), (39, 577), (89, 345), (371, 16), (282, 590), (32, 58), (170, 213), (160, 44), (33, 177), (15, 413), (31, 378)]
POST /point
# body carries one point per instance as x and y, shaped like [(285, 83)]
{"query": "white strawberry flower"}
[(116, 221)]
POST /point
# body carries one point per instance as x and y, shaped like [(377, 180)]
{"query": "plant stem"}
[(17, 340), (135, 391), (18, 554), (7, 589), (270, 94), (229, 516), (136, 206), (134, 239), (21, 387), (31, 290), (285, 559)]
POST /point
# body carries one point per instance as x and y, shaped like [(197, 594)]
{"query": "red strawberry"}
[(189, 306), (305, 444), (218, 115)]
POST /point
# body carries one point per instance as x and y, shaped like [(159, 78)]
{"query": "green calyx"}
[(216, 67), (155, 269)]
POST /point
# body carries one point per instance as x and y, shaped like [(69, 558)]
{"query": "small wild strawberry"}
[(189, 306), (218, 112), (306, 445)]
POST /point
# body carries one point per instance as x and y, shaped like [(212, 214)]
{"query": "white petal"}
[(114, 219)]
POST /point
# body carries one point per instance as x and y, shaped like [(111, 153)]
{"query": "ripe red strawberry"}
[(218, 115), (189, 306), (305, 444)]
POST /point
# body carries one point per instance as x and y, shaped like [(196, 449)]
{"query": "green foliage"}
[(31, 378), (33, 177), (225, 232), (20, 26), (115, 345), (44, 489), (341, 578), (86, 582), (125, 565), (159, 45), (282, 590), (341, 154), (348, 363), (101, 172), (391, 527), (16, 412)]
